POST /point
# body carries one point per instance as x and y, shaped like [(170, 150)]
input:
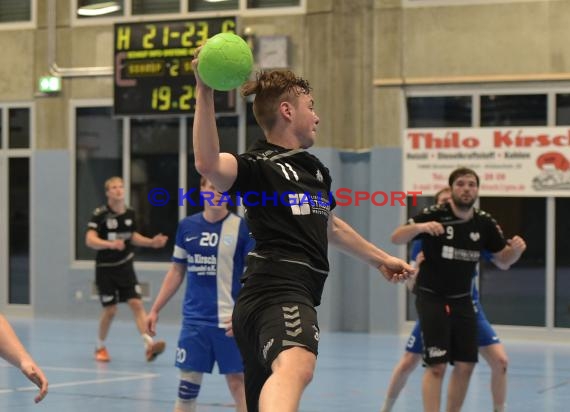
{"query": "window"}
[(513, 110), (439, 111), (98, 156), (15, 145), (205, 5), (185, 8), (517, 296), (155, 164), (155, 6), (563, 109), (97, 8), (19, 230), (154, 161), (12, 11), (19, 135), (254, 4), (562, 266)]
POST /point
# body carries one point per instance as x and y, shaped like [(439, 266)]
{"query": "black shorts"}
[(449, 329), (117, 283), (262, 333)]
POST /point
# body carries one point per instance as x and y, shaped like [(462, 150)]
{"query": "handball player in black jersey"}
[(289, 212), (453, 236), (112, 233)]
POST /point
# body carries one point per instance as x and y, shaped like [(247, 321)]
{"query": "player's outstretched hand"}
[(36, 375), (396, 270), (432, 228), (517, 243), (159, 241)]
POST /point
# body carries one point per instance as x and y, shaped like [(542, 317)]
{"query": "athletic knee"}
[(306, 374), (110, 311), (408, 364), (236, 382), (437, 370), (189, 386), (501, 364), (300, 372), (135, 304), (188, 391), (297, 363), (496, 358), (305, 367)]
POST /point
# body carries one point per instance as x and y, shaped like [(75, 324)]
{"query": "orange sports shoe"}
[(101, 355), (154, 350)]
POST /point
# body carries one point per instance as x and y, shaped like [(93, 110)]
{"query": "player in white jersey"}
[(211, 249)]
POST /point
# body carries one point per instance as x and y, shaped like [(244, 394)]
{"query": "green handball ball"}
[(225, 62)]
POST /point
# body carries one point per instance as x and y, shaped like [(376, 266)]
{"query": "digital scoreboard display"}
[(153, 72)]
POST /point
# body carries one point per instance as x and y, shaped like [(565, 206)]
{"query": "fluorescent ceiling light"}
[(99, 9)]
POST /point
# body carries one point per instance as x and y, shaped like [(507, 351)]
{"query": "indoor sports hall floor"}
[(352, 374)]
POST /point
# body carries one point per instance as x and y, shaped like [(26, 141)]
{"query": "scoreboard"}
[(153, 72)]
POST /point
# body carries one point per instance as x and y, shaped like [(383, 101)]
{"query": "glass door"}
[(15, 258)]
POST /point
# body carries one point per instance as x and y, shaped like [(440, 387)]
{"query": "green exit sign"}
[(50, 84)]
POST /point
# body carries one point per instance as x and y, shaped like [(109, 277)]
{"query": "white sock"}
[(147, 339), (100, 343), (186, 406), (388, 404), (499, 408)]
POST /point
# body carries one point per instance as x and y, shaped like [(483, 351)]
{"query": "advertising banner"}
[(515, 161)]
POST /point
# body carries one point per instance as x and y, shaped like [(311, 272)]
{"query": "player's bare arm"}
[(218, 168), (510, 253), (405, 233), (170, 285), (344, 237), (155, 242), (12, 350)]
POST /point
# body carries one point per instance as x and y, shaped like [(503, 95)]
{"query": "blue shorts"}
[(485, 334), (199, 347)]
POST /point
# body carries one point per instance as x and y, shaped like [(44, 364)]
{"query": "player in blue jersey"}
[(210, 251), (490, 347)]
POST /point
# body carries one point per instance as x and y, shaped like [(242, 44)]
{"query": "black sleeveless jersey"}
[(286, 194), (111, 226), (451, 258)]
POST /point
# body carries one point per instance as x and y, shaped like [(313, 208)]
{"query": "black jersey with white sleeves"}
[(451, 258), (288, 200), (112, 226)]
